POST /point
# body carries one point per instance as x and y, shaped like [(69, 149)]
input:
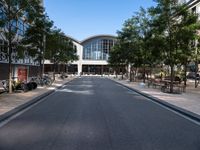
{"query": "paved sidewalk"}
[(189, 101), (9, 102)]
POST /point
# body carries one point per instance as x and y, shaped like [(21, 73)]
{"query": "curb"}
[(16, 110), (182, 111)]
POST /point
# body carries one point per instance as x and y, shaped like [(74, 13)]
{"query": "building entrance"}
[(95, 69)]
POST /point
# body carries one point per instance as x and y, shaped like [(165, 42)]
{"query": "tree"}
[(178, 27), (121, 52), (166, 20), (117, 59), (196, 57), (13, 12), (133, 42), (60, 49), (35, 37), (187, 37), (160, 35), (144, 38)]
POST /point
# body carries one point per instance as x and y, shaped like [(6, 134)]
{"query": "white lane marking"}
[(85, 92), (86, 85), (63, 86)]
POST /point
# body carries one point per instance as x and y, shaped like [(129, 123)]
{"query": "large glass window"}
[(20, 27), (97, 49), (2, 14)]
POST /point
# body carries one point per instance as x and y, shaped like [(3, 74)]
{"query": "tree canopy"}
[(14, 13), (161, 35)]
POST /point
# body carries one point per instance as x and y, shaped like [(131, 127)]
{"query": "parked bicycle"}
[(45, 81), (15, 86), (23, 86)]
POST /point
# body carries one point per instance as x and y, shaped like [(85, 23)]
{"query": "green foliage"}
[(134, 42), (60, 49), (13, 12), (164, 34), (35, 35), (177, 27)]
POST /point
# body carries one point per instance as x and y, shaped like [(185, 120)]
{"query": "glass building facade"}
[(98, 48), (18, 26)]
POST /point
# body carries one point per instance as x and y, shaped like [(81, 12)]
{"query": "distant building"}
[(193, 5), (93, 54)]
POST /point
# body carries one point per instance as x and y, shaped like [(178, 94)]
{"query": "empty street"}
[(93, 113)]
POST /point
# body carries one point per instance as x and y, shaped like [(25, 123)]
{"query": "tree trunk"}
[(58, 68), (10, 70), (172, 78), (196, 70), (116, 72), (63, 67), (144, 73), (151, 69), (67, 69), (41, 68), (131, 77), (134, 74), (185, 74), (122, 72), (127, 71), (9, 49), (54, 69)]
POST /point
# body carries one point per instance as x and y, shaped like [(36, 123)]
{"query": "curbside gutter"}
[(182, 111), (20, 108)]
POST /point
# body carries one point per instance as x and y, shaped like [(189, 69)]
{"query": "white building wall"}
[(198, 8), (80, 56), (80, 62), (94, 62), (183, 1)]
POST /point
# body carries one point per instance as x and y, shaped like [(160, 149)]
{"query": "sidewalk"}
[(189, 101), (9, 102)]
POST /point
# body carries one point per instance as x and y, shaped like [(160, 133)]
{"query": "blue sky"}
[(81, 19)]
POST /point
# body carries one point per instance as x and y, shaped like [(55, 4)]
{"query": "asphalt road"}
[(98, 114)]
